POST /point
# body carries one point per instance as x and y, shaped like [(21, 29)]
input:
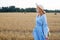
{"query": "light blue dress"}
[(41, 28)]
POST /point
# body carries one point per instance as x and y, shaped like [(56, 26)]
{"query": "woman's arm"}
[(45, 26)]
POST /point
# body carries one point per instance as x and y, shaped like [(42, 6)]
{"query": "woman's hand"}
[(46, 38)]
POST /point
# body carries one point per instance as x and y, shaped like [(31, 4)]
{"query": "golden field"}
[(19, 26)]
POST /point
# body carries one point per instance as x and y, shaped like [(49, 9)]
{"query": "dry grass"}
[(19, 26)]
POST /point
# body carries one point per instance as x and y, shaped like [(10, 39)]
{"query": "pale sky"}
[(47, 4)]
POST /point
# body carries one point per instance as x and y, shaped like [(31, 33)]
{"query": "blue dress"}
[(41, 28)]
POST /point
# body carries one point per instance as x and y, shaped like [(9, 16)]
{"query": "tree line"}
[(14, 9)]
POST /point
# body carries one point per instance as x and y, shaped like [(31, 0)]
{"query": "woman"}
[(41, 29)]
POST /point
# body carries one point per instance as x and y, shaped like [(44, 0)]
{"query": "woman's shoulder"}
[(44, 15)]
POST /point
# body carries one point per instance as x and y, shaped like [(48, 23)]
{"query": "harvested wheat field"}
[(19, 26)]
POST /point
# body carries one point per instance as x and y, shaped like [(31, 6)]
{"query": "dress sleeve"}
[(45, 26)]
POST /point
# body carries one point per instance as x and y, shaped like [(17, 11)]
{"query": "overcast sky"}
[(47, 4)]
